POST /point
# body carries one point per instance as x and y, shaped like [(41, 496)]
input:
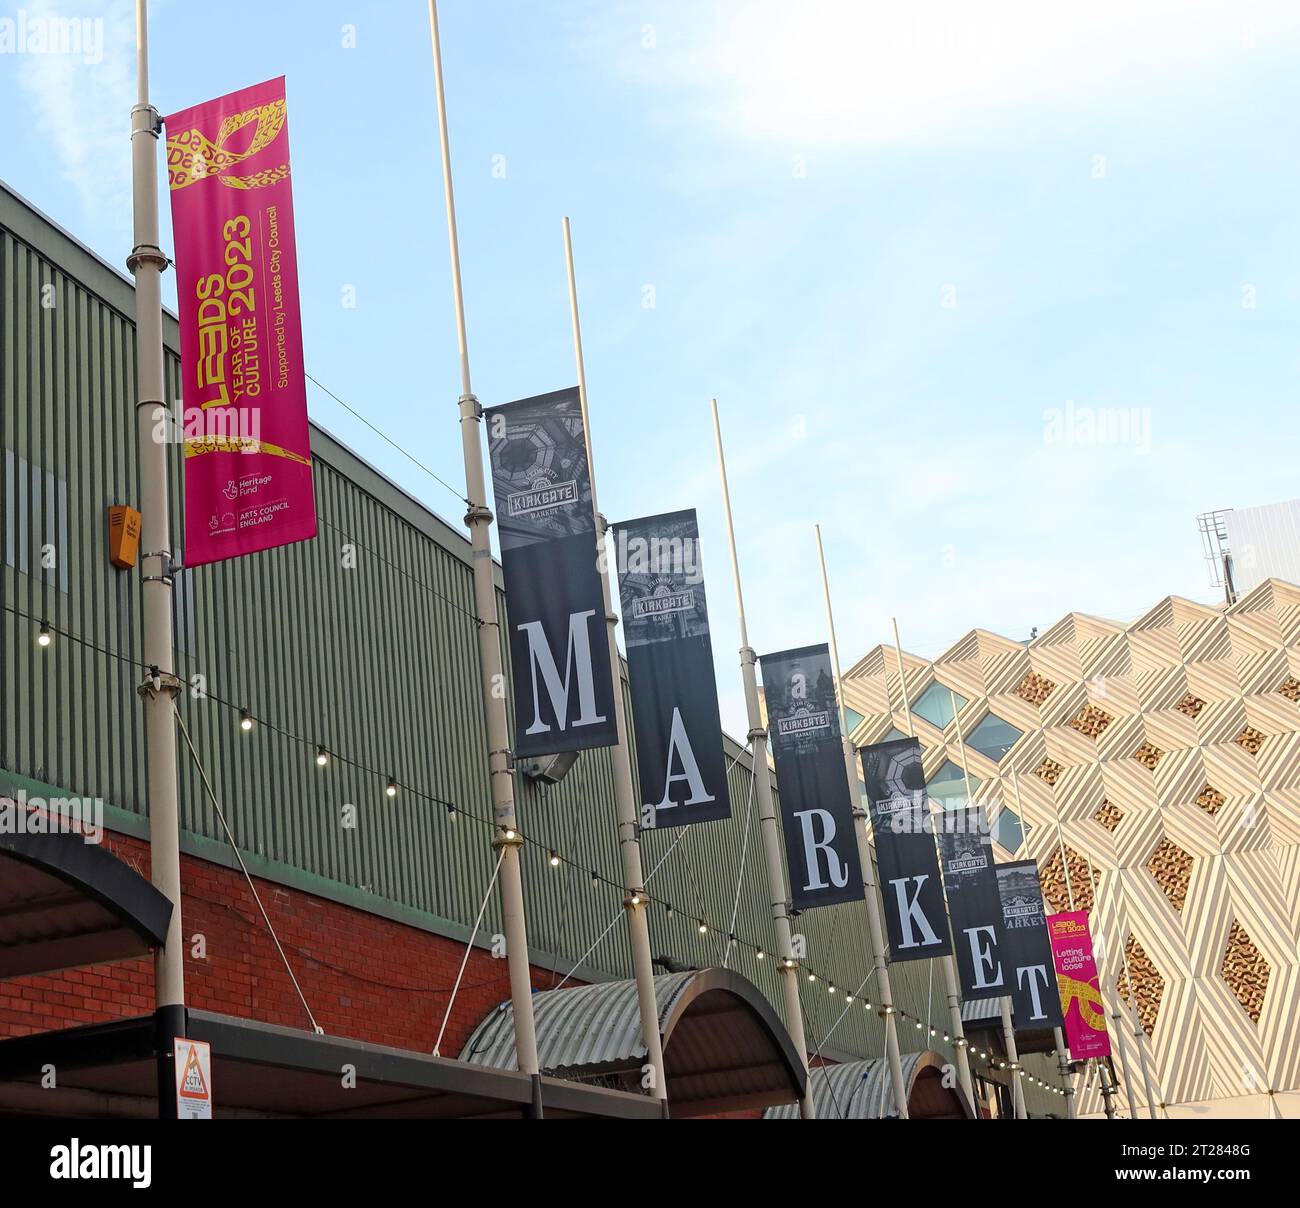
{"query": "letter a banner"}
[(1035, 999), (909, 868), (974, 905), (559, 649), (680, 761), (816, 809), (247, 458), (1076, 974)]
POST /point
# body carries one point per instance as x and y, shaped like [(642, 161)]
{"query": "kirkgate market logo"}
[(542, 495), (664, 601), (804, 721)]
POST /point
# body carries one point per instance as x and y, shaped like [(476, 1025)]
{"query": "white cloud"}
[(81, 104), (832, 74)]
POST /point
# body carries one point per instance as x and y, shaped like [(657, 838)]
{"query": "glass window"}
[(852, 718), (36, 521), (993, 737), (935, 705), (1010, 831), (894, 732), (947, 787)]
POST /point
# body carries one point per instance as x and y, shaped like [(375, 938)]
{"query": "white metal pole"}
[(788, 967), (1139, 1035), (629, 843), (946, 962), (875, 931), (491, 672), (160, 687)]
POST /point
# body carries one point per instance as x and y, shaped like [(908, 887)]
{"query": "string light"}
[(246, 722)]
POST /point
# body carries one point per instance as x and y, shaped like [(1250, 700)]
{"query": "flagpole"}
[(1008, 1026), (788, 967), (1115, 1013), (1139, 1032), (1122, 1017), (860, 822), (160, 688), (491, 673), (629, 844), (949, 966)]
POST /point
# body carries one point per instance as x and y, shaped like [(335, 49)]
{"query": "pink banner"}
[(248, 483), (1076, 974)]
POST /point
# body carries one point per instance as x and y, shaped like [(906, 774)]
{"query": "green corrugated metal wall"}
[(362, 641)]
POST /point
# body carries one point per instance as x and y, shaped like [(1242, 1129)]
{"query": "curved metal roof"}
[(725, 1048), (66, 903), (863, 1090)]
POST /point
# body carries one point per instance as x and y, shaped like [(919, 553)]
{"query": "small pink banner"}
[(1076, 974), (248, 477)]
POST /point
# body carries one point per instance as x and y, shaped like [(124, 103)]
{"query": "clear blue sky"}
[(890, 243)]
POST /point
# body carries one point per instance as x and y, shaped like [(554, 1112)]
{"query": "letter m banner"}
[(555, 607)]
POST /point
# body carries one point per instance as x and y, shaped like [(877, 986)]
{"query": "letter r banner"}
[(816, 801)]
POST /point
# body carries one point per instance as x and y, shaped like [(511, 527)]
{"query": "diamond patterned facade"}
[(1180, 814)]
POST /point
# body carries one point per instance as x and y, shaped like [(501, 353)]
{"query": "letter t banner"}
[(1035, 996)]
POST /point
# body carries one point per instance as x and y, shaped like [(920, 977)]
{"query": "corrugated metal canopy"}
[(981, 1009), (725, 1049), (863, 1090), (65, 903)]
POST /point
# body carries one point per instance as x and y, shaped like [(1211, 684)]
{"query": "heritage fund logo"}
[(542, 496), (133, 1163)]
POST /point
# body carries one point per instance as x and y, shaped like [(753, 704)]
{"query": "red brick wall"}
[(364, 976)]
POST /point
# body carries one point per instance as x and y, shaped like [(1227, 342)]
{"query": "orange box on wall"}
[(123, 535)]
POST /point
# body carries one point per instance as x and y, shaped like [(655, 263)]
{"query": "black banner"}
[(974, 904), (909, 869), (559, 648), (1027, 949), (680, 761), (816, 809)]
